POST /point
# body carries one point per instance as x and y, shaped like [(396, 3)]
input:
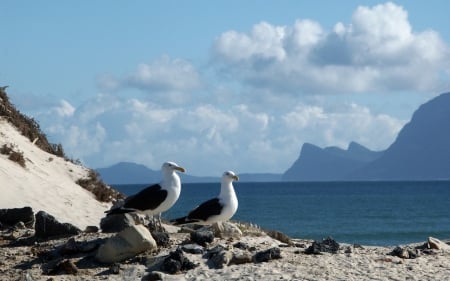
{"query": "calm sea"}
[(369, 213)]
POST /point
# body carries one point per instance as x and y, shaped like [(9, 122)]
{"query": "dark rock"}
[(218, 257), (13, 216), (116, 223), (47, 226), (202, 237), (115, 268), (328, 245), (70, 247), (154, 276), (162, 238), (241, 245), (192, 249), (91, 229), (177, 262), (57, 267), (267, 255), (404, 253)]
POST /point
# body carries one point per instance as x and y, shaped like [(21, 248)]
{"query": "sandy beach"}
[(351, 262)]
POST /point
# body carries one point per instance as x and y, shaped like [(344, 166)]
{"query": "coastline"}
[(349, 262)]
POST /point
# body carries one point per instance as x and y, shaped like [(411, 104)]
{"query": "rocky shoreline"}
[(37, 247)]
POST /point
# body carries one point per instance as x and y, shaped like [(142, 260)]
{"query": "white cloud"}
[(65, 109), (377, 51), (165, 79)]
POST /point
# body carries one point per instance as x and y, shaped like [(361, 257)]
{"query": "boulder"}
[(218, 257), (202, 237), (176, 262), (267, 255), (126, 244), (116, 223), (47, 226), (434, 243), (327, 245), (13, 216)]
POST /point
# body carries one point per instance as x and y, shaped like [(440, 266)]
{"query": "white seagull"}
[(218, 209), (156, 198)]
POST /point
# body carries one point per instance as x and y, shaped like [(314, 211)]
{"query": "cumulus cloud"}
[(378, 50), (165, 79), (209, 138)]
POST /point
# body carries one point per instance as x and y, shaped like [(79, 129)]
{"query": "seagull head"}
[(229, 176), (170, 167)]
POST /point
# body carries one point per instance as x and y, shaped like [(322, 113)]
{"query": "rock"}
[(177, 262), (218, 257), (116, 223), (192, 249), (57, 267), (404, 253), (327, 245), (115, 268), (126, 244), (13, 216), (91, 229), (202, 237), (434, 243), (241, 245), (47, 226), (280, 237), (226, 230), (240, 257), (267, 255), (154, 276), (162, 238)]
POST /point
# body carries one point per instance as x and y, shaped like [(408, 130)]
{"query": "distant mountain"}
[(330, 163), (421, 150), (132, 173), (127, 172)]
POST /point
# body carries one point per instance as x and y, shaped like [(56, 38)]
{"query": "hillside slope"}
[(47, 182)]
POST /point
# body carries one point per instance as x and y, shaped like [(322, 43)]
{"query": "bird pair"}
[(158, 198)]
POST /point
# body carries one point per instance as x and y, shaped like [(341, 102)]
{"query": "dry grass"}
[(102, 192), (13, 155)]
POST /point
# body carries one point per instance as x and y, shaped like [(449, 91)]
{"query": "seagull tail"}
[(182, 220)]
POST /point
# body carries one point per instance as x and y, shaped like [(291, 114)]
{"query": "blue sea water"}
[(368, 213)]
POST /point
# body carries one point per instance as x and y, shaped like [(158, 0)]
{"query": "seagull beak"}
[(236, 178), (181, 169)]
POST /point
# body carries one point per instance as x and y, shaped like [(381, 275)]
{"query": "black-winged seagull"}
[(156, 198), (218, 209)]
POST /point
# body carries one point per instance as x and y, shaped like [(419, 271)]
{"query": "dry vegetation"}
[(13, 155), (31, 129)]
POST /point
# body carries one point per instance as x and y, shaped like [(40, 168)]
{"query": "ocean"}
[(367, 213)]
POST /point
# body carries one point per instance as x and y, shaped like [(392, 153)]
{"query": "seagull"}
[(218, 209), (156, 198)]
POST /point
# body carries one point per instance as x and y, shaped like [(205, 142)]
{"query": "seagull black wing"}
[(147, 199), (201, 213), (205, 210)]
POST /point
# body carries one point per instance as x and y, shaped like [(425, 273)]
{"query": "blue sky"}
[(221, 85)]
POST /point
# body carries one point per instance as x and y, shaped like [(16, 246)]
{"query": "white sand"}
[(46, 183)]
